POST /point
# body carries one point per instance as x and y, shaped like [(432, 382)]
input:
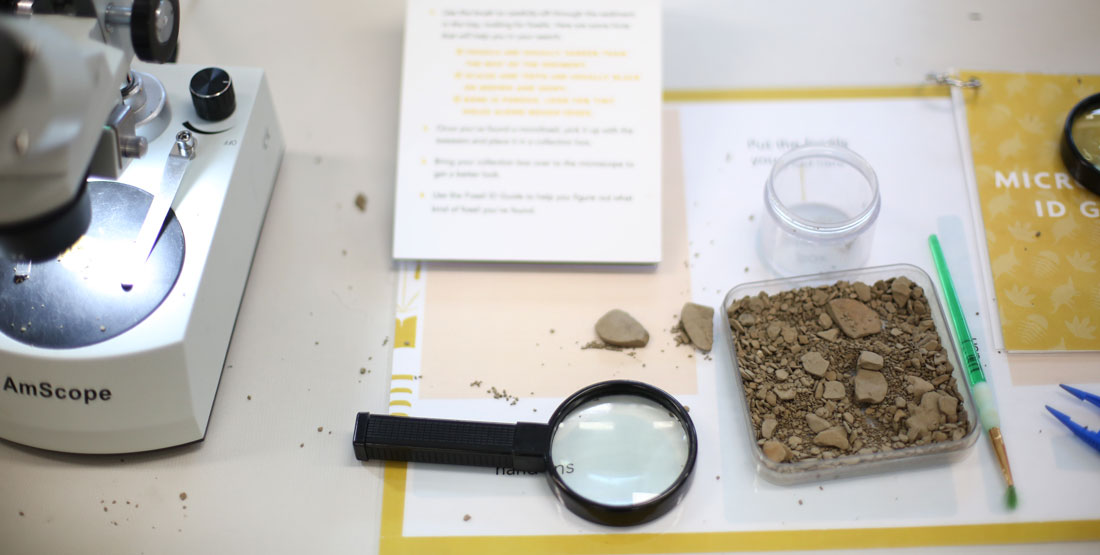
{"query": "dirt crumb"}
[(361, 202), (466, 518), (183, 496)]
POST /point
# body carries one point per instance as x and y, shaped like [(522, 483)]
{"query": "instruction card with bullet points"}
[(530, 132)]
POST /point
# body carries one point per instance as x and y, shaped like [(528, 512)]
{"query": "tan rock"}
[(833, 390), (854, 318), (814, 364), (918, 386), (785, 394), (869, 361), (949, 406), (817, 423), (824, 321), (790, 335), (698, 322), (832, 437), (819, 297), (863, 292), (773, 330), (870, 386), (767, 428), (829, 334), (621, 330), (776, 451), (925, 417)]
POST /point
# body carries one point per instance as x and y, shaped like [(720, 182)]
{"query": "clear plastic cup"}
[(822, 203)]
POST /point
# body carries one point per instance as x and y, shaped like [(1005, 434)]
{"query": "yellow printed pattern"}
[(1042, 228)]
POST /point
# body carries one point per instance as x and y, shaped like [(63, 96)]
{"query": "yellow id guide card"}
[(1042, 228)]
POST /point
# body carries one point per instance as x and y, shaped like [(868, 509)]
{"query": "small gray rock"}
[(621, 330)]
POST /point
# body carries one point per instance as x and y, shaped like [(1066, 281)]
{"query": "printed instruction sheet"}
[(530, 131)]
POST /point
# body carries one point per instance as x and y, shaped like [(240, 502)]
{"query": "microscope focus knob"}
[(154, 29), (212, 94)]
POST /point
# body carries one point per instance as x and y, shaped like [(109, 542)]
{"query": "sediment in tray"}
[(845, 369)]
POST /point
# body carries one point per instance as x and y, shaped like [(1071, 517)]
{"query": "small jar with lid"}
[(821, 203)]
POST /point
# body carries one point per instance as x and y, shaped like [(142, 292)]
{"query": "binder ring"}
[(952, 81)]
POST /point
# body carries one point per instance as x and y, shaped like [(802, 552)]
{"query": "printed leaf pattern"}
[(1063, 294), (1022, 231), (1080, 327), (1020, 296), (1043, 243), (1082, 262)]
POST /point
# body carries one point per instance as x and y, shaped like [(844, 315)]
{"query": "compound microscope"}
[(132, 195)]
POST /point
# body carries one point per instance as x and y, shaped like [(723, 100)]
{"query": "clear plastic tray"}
[(856, 464)]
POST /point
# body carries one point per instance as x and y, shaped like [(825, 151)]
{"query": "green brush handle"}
[(983, 394)]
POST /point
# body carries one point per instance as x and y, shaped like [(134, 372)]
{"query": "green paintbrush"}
[(983, 394)]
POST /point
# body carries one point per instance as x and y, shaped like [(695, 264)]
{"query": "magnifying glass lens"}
[(1085, 131), (620, 450)]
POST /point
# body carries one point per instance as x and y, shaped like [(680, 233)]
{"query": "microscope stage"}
[(75, 299)]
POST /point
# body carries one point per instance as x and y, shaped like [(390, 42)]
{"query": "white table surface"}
[(334, 67)]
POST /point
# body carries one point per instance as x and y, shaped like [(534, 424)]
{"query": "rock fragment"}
[(621, 330), (863, 292), (949, 406), (870, 386), (814, 364), (918, 386), (817, 423), (833, 390), (854, 318), (776, 451), (768, 428), (925, 417), (869, 361), (698, 322), (832, 437)]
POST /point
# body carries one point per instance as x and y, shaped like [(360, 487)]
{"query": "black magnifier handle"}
[(522, 446)]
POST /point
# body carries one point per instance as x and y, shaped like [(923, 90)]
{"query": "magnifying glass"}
[(1081, 143), (618, 453)]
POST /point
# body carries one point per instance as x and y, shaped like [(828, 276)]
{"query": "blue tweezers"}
[(1089, 437)]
